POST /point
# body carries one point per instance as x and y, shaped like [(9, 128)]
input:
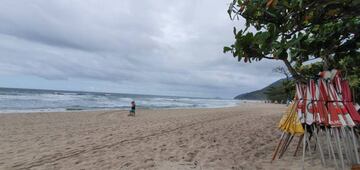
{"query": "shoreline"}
[(122, 109), (241, 137), (111, 109)]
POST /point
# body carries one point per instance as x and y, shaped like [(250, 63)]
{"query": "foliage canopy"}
[(297, 31)]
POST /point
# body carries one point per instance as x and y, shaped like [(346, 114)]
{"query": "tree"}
[(284, 90), (276, 94), (297, 31), (288, 84)]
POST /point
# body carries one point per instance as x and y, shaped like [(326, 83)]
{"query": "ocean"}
[(33, 100)]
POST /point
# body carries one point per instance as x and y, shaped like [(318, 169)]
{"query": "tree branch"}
[(293, 72)]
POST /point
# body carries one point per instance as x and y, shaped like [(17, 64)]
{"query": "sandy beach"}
[(241, 137)]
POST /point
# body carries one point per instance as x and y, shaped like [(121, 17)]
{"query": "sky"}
[(162, 47)]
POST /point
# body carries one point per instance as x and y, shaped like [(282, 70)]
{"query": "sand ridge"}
[(241, 137)]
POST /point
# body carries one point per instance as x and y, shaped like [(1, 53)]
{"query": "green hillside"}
[(259, 94)]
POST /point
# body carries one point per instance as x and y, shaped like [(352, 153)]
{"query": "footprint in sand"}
[(190, 156), (172, 159), (119, 157), (148, 160), (126, 164)]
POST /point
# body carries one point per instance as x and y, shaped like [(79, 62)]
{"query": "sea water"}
[(31, 100)]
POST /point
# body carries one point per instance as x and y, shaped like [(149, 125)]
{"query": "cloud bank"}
[(152, 47)]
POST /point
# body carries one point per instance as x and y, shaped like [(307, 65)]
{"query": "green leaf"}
[(271, 14), (272, 29), (226, 49)]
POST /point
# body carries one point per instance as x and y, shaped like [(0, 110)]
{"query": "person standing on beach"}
[(132, 110)]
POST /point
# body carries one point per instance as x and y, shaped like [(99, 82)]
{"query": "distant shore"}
[(241, 137)]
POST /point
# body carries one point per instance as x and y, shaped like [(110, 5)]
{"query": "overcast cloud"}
[(153, 47)]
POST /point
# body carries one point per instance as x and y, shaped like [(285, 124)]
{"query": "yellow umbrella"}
[(290, 123)]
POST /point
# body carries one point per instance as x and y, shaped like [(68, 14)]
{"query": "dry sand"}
[(241, 137)]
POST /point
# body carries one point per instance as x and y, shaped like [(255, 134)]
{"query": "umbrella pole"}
[(308, 143), (347, 145), (328, 144), (304, 149), (319, 146), (278, 146), (331, 147), (286, 146), (352, 148), (339, 147), (355, 145), (298, 145)]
